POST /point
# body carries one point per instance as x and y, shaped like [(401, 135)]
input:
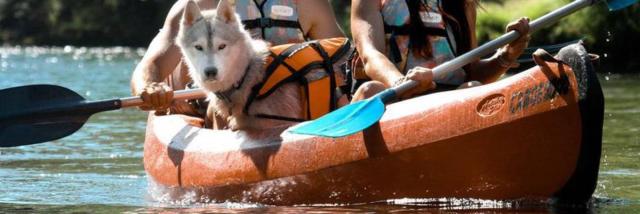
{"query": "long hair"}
[(418, 32), (453, 12), (456, 9)]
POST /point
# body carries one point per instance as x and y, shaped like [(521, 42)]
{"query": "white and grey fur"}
[(225, 54)]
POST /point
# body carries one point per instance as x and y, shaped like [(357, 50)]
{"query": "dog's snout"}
[(211, 72)]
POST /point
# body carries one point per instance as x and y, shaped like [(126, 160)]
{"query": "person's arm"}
[(491, 69), (161, 58), (367, 28), (318, 19)]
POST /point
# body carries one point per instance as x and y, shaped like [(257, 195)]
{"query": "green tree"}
[(87, 22)]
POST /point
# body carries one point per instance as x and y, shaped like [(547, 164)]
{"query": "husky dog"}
[(226, 62)]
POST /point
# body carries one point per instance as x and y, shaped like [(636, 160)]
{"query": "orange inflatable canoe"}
[(534, 135)]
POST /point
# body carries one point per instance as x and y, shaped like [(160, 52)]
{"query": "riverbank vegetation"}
[(613, 35), (81, 23)]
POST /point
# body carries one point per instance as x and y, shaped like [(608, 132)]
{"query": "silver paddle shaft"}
[(491, 46), (188, 94)]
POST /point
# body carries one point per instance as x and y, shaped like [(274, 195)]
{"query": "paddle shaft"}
[(90, 107), (491, 46), (187, 94)]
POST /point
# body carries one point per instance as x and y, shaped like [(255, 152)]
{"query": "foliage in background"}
[(135, 22), (86, 22), (342, 9), (94, 22), (612, 35)]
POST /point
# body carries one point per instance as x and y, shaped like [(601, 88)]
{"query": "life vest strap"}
[(405, 30), (266, 22), (328, 66)]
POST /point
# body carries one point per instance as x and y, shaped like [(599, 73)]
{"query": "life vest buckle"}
[(266, 22)]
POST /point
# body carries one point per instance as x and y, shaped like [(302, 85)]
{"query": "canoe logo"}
[(491, 105), (545, 91)]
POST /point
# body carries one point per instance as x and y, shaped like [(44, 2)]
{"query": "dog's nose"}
[(211, 72)]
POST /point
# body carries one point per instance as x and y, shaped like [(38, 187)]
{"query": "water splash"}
[(163, 196), (467, 203)]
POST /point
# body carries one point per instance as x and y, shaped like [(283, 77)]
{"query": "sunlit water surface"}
[(99, 168)]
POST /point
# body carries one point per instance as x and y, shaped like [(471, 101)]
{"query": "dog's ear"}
[(226, 11), (191, 14)]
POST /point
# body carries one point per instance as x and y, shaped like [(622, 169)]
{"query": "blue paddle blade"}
[(344, 121), (620, 4)]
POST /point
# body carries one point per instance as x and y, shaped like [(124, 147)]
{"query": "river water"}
[(99, 168)]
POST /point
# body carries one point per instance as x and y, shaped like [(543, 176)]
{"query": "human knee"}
[(372, 88), (367, 89)]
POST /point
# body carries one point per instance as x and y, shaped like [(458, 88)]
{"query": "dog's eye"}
[(222, 47), (198, 47)]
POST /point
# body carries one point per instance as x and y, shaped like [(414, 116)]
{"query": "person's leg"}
[(368, 89), (373, 138)]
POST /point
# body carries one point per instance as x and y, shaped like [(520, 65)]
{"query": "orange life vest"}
[(311, 64)]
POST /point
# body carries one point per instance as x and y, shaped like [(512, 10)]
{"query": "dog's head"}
[(215, 45)]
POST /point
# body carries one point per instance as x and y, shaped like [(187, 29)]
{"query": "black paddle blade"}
[(20, 134), (40, 113)]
